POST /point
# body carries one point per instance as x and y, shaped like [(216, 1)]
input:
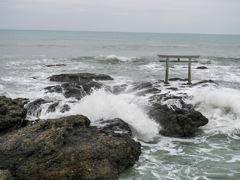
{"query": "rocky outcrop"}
[(12, 113), (79, 77), (176, 117), (68, 148), (177, 122), (76, 90)]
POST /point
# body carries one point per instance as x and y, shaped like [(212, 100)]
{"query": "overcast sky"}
[(163, 16)]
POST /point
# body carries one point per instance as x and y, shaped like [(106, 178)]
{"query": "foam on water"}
[(103, 105), (222, 108), (115, 58), (152, 67)]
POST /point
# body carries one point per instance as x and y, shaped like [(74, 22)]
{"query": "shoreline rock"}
[(76, 90), (12, 113), (66, 148), (79, 77), (178, 122)]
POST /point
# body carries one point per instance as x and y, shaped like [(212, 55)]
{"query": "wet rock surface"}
[(177, 118), (79, 77), (202, 67), (76, 90), (66, 148), (35, 108), (178, 122), (115, 127), (12, 113)]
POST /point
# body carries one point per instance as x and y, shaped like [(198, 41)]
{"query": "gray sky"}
[(164, 16)]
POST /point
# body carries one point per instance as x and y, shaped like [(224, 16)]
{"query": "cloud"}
[(206, 16)]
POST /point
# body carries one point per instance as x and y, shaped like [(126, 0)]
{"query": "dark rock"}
[(202, 67), (51, 65), (33, 107), (52, 107), (118, 89), (79, 77), (144, 88), (204, 82), (66, 148), (173, 88), (177, 122), (177, 79), (23, 100), (76, 90), (115, 127), (12, 113), (65, 108)]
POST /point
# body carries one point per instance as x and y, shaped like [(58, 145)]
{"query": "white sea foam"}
[(221, 107), (115, 58), (103, 105), (152, 66)]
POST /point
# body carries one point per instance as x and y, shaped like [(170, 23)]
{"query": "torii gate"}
[(178, 57)]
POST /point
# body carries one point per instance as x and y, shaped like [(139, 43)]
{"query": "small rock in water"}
[(202, 67), (51, 65)]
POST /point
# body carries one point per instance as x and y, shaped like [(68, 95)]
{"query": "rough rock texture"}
[(115, 127), (12, 113), (34, 107), (5, 175), (76, 90), (79, 77), (66, 148), (178, 122)]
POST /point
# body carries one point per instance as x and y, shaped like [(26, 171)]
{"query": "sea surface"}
[(213, 153)]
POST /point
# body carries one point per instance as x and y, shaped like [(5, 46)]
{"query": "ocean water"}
[(214, 152)]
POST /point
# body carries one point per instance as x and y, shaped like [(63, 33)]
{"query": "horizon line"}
[(102, 31)]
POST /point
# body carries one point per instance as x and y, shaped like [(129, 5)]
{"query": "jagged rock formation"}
[(67, 148)]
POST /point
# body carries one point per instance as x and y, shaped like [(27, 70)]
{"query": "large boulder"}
[(67, 148), (177, 122), (12, 113), (79, 77)]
